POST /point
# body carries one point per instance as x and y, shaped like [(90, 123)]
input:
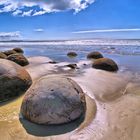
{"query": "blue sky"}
[(69, 19)]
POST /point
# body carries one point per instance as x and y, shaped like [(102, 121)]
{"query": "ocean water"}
[(125, 52)]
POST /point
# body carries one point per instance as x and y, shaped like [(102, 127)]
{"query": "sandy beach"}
[(112, 100)]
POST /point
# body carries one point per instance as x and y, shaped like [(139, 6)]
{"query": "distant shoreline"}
[(60, 40), (84, 42)]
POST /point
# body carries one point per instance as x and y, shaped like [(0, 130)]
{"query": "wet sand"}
[(113, 102)]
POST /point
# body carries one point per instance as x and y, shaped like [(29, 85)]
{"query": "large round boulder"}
[(14, 80), (9, 52), (94, 55), (18, 50), (19, 59), (71, 54), (2, 55), (105, 64), (53, 100)]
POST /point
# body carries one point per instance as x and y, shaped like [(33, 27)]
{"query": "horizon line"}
[(72, 39)]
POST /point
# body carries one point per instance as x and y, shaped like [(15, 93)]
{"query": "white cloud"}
[(17, 12), (27, 13), (10, 35), (39, 13), (27, 7), (108, 30), (39, 30)]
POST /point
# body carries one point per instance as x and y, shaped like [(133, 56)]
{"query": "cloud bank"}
[(40, 7), (107, 31), (9, 35)]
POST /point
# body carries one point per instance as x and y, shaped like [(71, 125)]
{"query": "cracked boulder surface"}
[(53, 100), (14, 80)]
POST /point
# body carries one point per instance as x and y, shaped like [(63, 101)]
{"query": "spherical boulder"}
[(105, 64), (9, 52), (19, 59), (71, 54), (14, 80), (18, 50), (2, 55), (94, 55), (53, 100)]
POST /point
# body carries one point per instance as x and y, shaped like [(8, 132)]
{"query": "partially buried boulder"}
[(72, 66), (105, 64), (19, 59), (52, 62), (18, 50), (71, 54), (9, 52), (2, 55), (53, 100), (94, 55), (14, 80)]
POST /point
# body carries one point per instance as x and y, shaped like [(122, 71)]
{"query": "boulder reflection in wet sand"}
[(50, 130)]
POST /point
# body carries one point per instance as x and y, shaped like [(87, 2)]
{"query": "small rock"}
[(53, 100), (72, 66), (19, 59), (52, 62), (94, 55), (105, 64), (18, 50), (72, 54), (112, 48)]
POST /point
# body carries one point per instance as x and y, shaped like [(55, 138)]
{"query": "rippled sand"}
[(113, 102)]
